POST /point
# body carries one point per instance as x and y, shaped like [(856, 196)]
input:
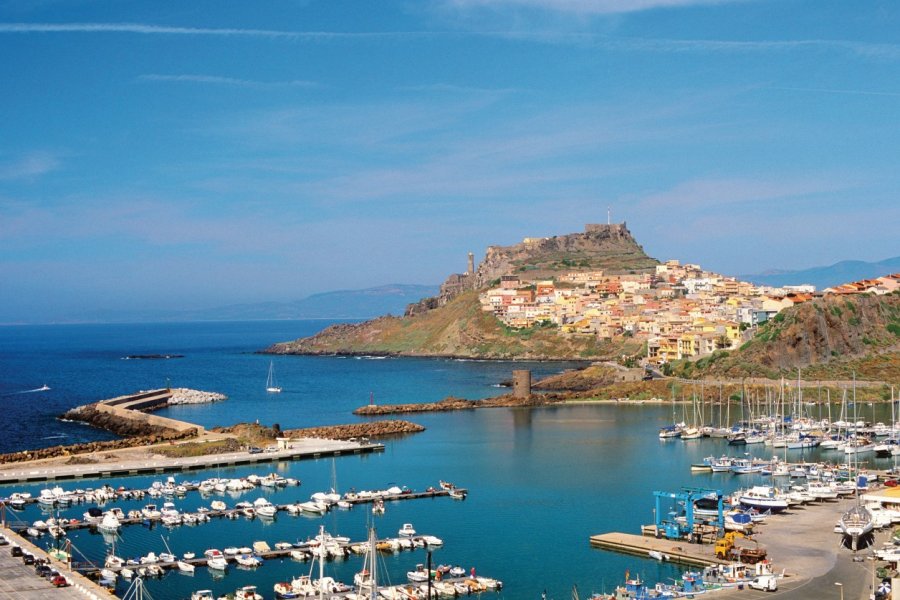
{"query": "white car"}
[(766, 583)]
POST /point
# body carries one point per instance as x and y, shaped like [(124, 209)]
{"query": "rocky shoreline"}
[(451, 403), (77, 452)]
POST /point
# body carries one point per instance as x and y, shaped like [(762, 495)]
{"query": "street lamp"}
[(840, 585)]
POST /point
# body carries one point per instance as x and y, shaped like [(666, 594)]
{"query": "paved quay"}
[(802, 543), (142, 461), (19, 581)]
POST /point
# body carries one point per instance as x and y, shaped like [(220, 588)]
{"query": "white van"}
[(766, 583)]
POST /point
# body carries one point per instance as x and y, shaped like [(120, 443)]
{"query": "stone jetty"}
[(374, 429), (451, 403)]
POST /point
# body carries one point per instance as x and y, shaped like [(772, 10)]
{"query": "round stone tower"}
[(521, 383)]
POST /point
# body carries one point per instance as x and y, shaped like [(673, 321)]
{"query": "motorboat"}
[(407, 530), (313, 507), (217, 562), (419, 575), (247, 560), (763, 498), (203, 595), (248, 592)]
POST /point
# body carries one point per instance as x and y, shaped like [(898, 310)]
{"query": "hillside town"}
[(680, 310)]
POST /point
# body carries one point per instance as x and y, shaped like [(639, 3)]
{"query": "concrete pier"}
[(123, 466)]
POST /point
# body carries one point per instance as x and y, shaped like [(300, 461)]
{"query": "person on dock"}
[(473, 572)]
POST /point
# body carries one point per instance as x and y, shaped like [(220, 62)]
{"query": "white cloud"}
[(29, 166), (585, 7), (218, 80)]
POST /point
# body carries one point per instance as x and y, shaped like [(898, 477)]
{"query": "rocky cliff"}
[(609, 248), (825, 336)]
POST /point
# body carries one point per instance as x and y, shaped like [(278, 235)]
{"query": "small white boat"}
[(217, 562), (203, 595), (656, 554), (185, 567), (407, 530)]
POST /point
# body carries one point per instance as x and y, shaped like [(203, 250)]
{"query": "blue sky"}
[(194, 154)]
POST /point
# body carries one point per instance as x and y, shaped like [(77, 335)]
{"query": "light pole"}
[(841, 586)]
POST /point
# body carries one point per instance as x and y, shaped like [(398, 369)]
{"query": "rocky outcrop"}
[(374, 429)]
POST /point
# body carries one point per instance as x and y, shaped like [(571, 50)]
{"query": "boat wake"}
[(43, 388)]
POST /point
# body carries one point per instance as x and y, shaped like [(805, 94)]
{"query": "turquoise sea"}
[(541, 481)]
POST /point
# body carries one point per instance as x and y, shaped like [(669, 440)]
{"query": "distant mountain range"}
[(823, 277), (343, 304)]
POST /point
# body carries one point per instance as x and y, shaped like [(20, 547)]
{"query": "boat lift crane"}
[(666, 515)]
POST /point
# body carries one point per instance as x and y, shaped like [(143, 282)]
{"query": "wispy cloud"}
[(708, 193), (584, 7), (837, 91), (150, 29), (548, 36), (29, 166), (218, 80)]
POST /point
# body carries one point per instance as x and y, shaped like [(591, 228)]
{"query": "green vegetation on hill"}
[(460, 329)]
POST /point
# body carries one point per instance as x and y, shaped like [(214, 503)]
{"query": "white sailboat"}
[(856, 523), (271, 386)]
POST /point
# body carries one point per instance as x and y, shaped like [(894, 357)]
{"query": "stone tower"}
[(471, 269), (521, 383)]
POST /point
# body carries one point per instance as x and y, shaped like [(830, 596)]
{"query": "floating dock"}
[(680, 551)]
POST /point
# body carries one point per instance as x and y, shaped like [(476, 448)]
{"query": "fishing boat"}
[(284, 589), (271, 386)]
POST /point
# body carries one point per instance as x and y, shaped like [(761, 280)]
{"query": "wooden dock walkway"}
[(680, 551)]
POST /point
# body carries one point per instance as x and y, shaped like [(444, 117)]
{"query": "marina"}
[(566, 469)]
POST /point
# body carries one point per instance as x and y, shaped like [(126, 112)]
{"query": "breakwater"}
[(451, 403), (374, 429)]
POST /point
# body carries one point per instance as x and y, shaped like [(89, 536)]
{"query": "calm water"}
[(541, 481)]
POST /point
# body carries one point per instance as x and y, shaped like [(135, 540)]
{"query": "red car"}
[(891, 483), (59, 581)]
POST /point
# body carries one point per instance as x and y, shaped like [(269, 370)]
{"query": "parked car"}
[(59, 581), (16, 551), (254, 450), (28, 558), (271, 448)]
